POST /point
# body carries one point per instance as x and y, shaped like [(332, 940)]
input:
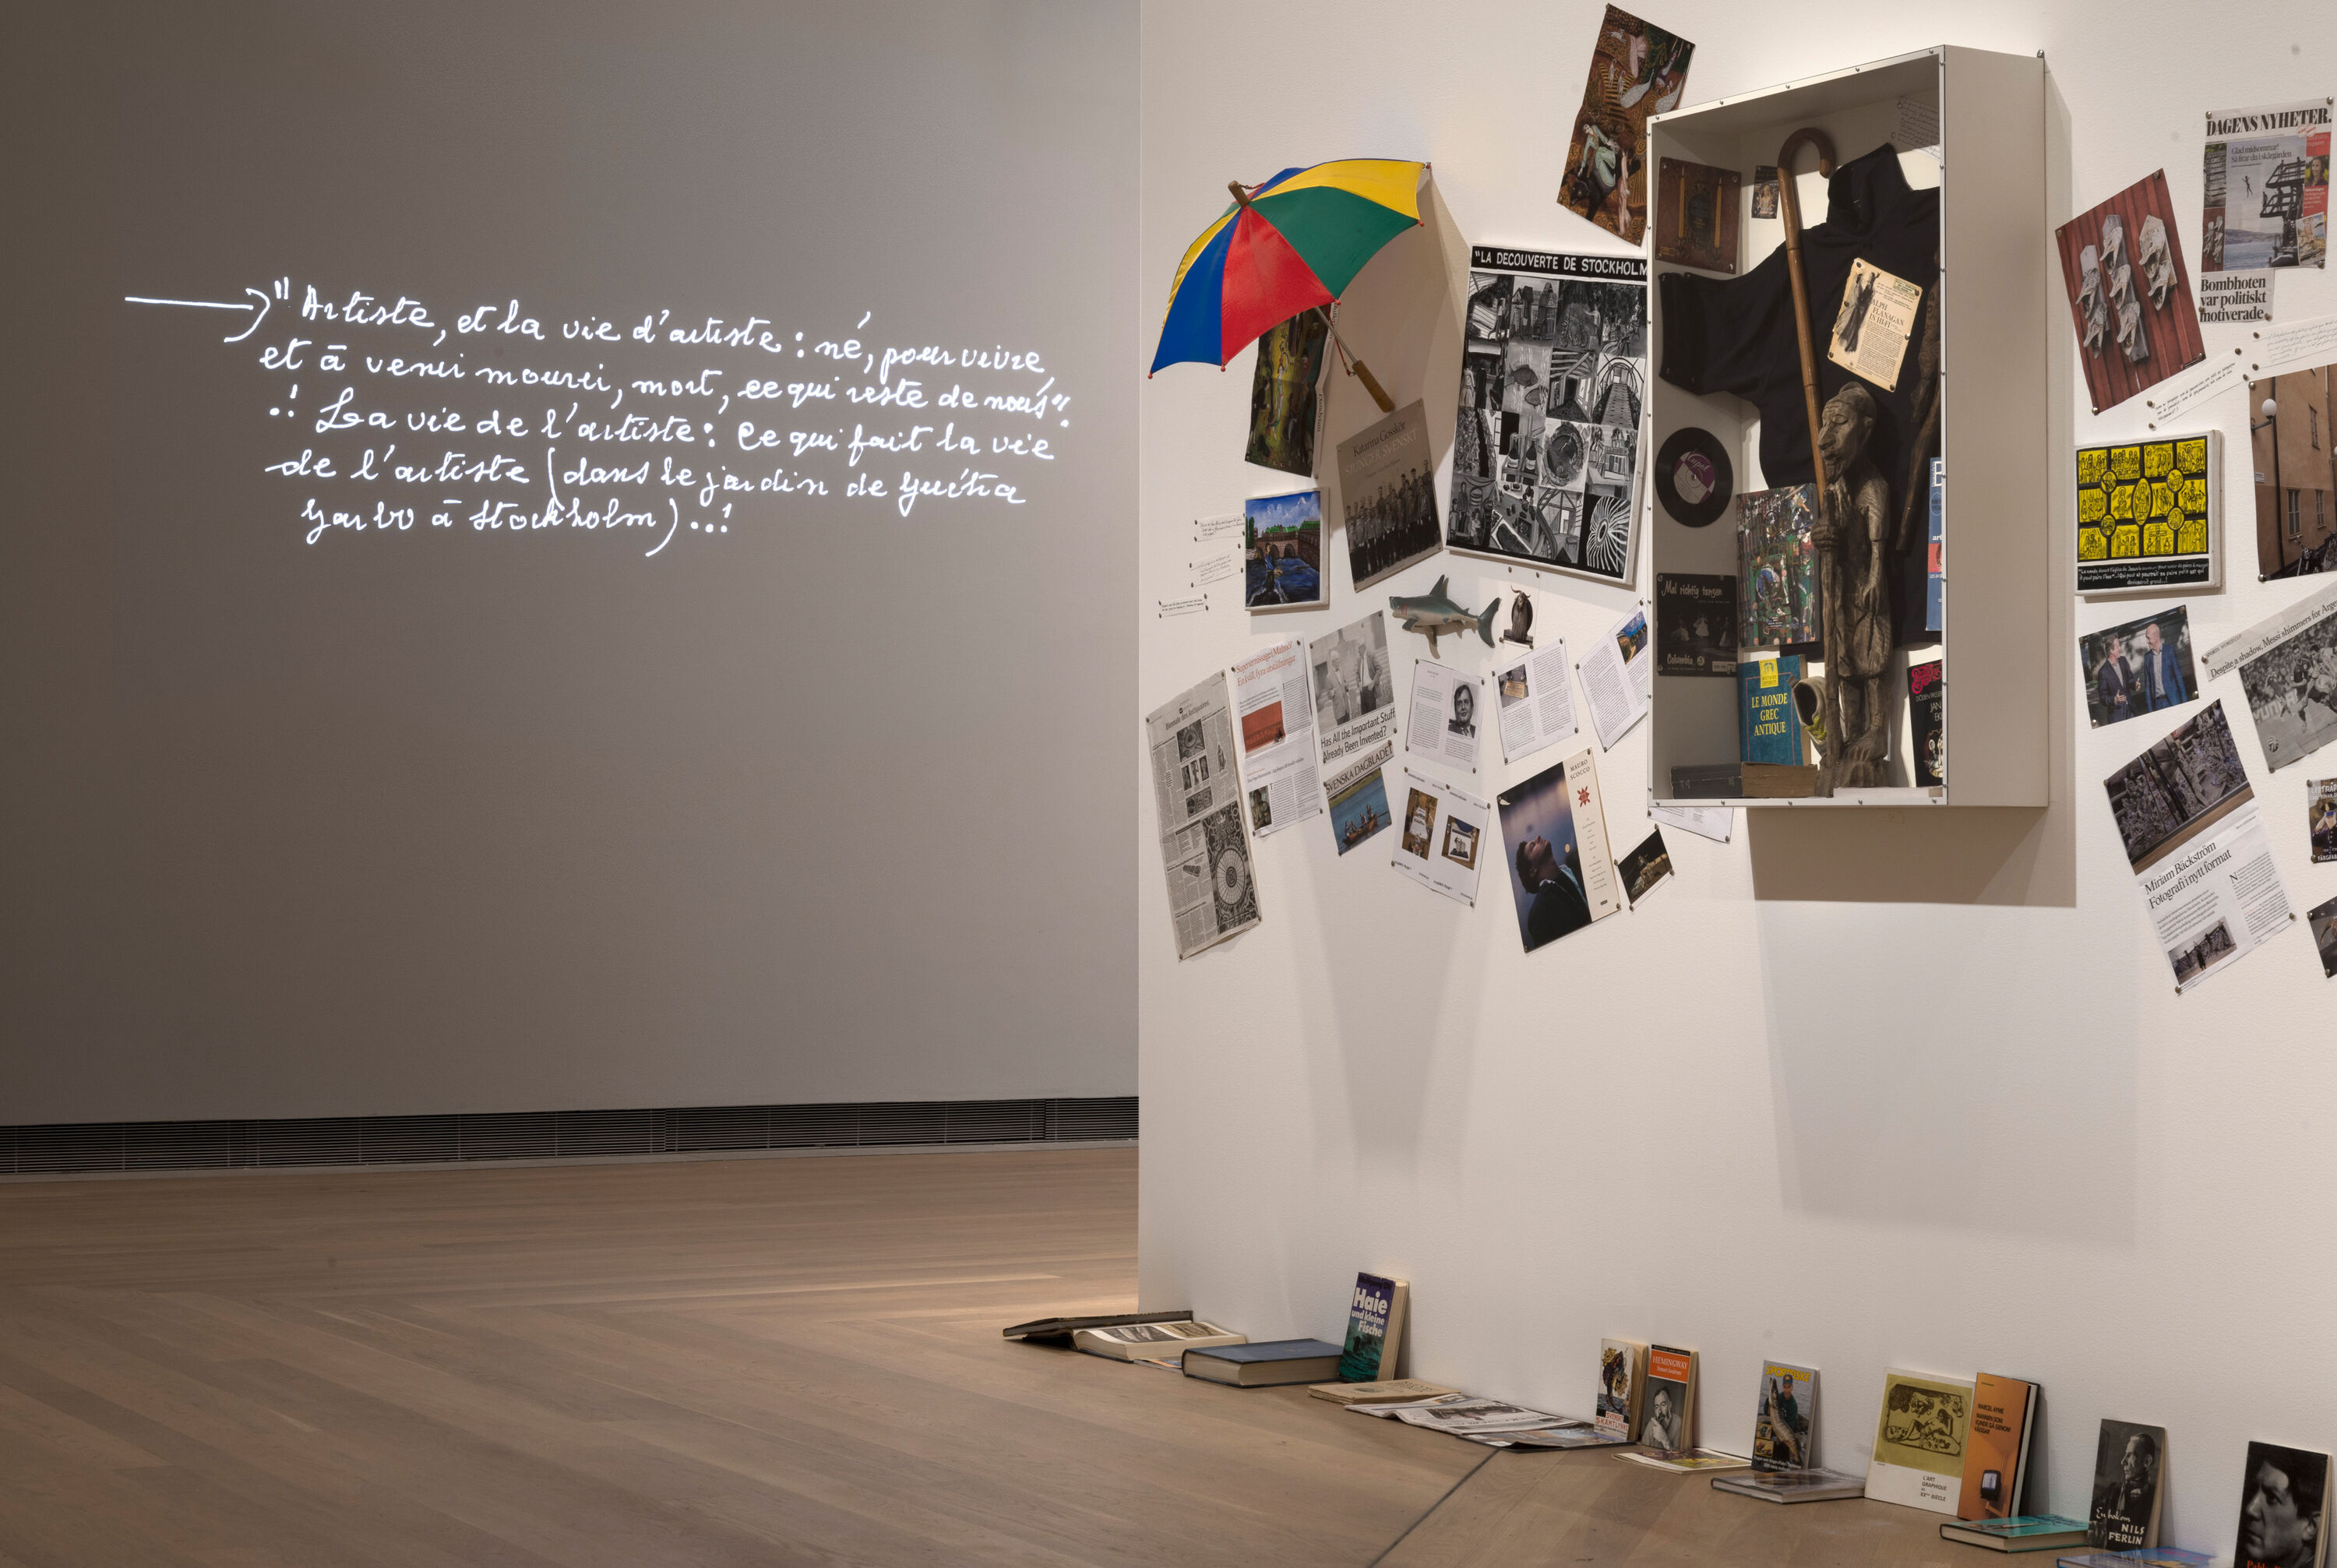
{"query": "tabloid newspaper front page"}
[(2288, 668), (1204, 848), (1277, 733), (2195, 837), (1354, 701)]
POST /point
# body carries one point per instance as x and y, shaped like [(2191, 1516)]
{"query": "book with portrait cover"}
[(1786, 1419), (2125, 1513), (1622, 1381), (1777, 567), (1695, 625), (1667, 1414), (1767, 728), (1926, 717), (1996, 1460), (1374, 1329), (2283, 1508), (1919, 1440)]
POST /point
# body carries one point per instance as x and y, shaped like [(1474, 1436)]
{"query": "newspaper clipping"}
[(1616, 675), (1554, 836), (1713, 822), (2267, 188), (1445, 710), (1277, 737), (1532, 698), (1443, 837), (2288, 668), (1204, 848), (1873, 322), (2195, 839)]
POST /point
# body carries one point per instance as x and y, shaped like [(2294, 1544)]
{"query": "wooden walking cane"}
[(1355, 366), (1789, 207)]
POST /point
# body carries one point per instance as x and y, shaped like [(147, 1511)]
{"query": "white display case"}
[(1995, 301)]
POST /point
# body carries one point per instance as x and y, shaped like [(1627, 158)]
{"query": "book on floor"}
[(2151, 1557), (1141, 1342), (1996, 1459), (1622, 1380), (1667, 1414), (1919, 1441), (1042, 1330), (1573, 1435), (1374, 1329), (2021, 1532), (1469, 1415), (1785, 1418), (1387, 1393), (2283, 1508), (2127, 1461), (1791, 1485), (1265, 1364), (1687, 1461)]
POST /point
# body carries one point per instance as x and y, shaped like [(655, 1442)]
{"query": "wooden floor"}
[(757, 1361)]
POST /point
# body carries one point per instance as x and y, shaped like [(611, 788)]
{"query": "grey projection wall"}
[(455, 653)]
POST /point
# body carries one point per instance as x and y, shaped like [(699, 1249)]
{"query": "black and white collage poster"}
[(1553, 381)]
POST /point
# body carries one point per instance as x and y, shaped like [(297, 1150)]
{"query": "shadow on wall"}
[(1915, 855)]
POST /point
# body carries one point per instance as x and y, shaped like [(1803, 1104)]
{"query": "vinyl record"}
[(1692, 477)]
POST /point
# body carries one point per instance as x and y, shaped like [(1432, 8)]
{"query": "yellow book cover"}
[(1919, 1438)]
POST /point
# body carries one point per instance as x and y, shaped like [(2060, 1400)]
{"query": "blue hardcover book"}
[(1935, 608), (1767, 728), (1266, 1364)]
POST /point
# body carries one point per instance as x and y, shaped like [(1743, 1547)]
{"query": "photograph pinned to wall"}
[(1533, 691), (1765, 191), (1778, 568), (2321, 818), (1695, 214), (1636, 69), (1554, 838), (2129, 294), (1553, 377), (1282, 550), (1285, 400), (1617, 676), (2323, 919), (1873, 323), (2195, 838), (2265, 188), (1387, 494), (1204, 848), (1645, 867), (1447, 710), (1927, 720), (1359, 809), (2287, 664), (1518, 624), (2148, 514), (2295, 457), (1695, 625), (1443, 837), (1277, 735), (1354, 698), (2138, 667)]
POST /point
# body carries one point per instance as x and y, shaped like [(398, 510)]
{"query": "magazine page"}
[(2196, 840), (1277, 737), (1387, 495), (1617, 677), (1554, 844), (1204, 848), (1444, 837), (1446, 705), (1713, 822), (1533, 698), (2288, 668)]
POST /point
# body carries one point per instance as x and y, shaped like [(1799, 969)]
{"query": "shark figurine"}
[(1432, 613)]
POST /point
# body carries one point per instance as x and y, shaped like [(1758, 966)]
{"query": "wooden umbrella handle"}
[(1789, 207)]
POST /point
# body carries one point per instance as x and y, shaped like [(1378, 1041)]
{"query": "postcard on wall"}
[(1873, 322), (1785, 1417), (1695, 625), (1777, 567), (1204, 848), (1642, 870), (2295, 486), (1387, 494), (1617, 677), (2288, 669), (1553, 378), (1282, 550), (2321, 818), (1919, 1441), (2323, 918), (1278, 736), (1533, 699), (2147, 514), (2267, 188), (1695, 215), (1554, 843), (1444, 835), (2195, 839), (2139, 666), (1446, 711), (1284, 394), (2129, 295), (1636, 69), (1359, 807)]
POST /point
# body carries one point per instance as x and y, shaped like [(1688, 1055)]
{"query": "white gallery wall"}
[(1859, 1088)]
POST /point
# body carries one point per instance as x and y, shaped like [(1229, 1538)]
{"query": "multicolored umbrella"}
[(1286, 246)]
